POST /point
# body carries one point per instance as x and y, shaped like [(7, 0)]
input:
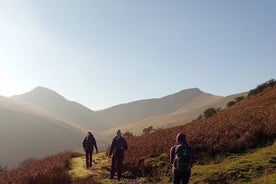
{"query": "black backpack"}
[(120, 144), (183, 158), (88, 144)]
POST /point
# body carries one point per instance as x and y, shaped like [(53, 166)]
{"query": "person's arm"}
[(172, 154), (83, 143), (112, 147), (125, 145), (95, 144), (192, 156)]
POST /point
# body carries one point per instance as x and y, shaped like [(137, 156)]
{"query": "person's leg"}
[(176, 177), (119, 167), (186, 177), (112, 171), (87, 159), (90, 159)]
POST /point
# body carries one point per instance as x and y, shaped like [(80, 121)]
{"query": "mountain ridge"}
[(142, 109)]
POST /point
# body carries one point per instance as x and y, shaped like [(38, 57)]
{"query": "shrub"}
[(240, 98), (128, 134), (209, 112), (148, 130), (3, 169), (260, 88), (231, 103), (27, 161)]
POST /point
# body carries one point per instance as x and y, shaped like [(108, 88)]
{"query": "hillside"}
[(248, 124), (62, 108), (28, 132)]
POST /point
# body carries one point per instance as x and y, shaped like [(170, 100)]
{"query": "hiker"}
[(118, 147), (182, 158), (88, 144)]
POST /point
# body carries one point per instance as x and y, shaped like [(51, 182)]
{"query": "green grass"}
[(97, 174), (78, 170), (256, 167)]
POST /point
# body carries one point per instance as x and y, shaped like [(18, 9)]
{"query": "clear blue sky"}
[(103, 53)]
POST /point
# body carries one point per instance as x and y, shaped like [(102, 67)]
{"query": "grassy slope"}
[(259, 166), (256, 167)]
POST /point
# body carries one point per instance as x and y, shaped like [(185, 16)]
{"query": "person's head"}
[(119, 133), (89, 134), (180, 138)]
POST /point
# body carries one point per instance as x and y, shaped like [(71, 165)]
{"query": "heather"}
[(48, 170)]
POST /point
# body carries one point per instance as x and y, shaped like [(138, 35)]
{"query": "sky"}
[(102, 53)]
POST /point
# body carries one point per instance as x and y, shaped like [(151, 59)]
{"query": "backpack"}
[(183, 158), (88, 144), (120, 145)]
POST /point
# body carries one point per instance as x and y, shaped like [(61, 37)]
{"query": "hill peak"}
[(190, 90), (40, 93), (41, 89)]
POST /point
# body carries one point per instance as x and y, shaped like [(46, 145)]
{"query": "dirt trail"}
[(99, 173)]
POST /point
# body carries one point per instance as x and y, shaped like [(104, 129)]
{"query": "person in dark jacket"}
[(117, 149), (181, 175), (88, 144)]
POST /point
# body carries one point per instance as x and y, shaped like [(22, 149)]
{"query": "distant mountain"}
[(134, 111), (26, 131), (62, 108)]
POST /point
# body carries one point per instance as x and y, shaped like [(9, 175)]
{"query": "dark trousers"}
[(181, 177), (88, 158), (116, 165)]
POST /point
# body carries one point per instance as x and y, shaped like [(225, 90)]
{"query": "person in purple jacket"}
[(182, 159), (117, 149)]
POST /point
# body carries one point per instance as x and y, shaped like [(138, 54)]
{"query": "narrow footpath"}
[(98, 174)]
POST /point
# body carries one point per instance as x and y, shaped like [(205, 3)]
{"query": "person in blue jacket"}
[(117, 149)]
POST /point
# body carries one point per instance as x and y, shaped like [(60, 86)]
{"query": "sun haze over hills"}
[(28, 132), (44, 112)]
